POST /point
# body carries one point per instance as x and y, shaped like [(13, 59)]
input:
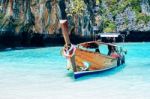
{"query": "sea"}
[(40, 73)]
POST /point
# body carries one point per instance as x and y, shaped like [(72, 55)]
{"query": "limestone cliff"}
[(22, 21), (39, 16), (42, 16)]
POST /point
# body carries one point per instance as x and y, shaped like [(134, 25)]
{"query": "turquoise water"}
[(41, 74)]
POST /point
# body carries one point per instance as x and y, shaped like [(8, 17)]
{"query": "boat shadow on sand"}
[(105, 73)]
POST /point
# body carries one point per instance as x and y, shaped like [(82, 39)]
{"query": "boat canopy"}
[(91, 45), (95, 44), (109, 34)]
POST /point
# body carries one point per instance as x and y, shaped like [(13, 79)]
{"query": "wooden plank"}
[(96, 60)]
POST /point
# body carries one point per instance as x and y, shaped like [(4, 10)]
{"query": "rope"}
[(69, 51)]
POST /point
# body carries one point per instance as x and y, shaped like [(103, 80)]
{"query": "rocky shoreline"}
[(35, 23), (13, 40)]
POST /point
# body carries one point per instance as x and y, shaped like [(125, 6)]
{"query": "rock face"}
[(39, 16), (31, 21), (27, 22), (42, 16)]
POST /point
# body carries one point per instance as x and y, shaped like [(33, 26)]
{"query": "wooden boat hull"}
[(97, 62), (83, 73)]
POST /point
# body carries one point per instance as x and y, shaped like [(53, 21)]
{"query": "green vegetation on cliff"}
[(116, 15), (76, 7), (116, 7)]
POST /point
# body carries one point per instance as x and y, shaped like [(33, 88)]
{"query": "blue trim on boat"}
[(83, 73)]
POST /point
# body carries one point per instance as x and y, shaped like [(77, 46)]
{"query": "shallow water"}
[(41, 74)]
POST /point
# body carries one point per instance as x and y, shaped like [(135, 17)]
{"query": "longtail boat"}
[(88, 57)]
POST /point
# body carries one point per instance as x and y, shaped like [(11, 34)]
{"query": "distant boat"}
[(89, 57)]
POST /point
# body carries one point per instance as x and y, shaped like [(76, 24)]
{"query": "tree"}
[(76, 9)]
